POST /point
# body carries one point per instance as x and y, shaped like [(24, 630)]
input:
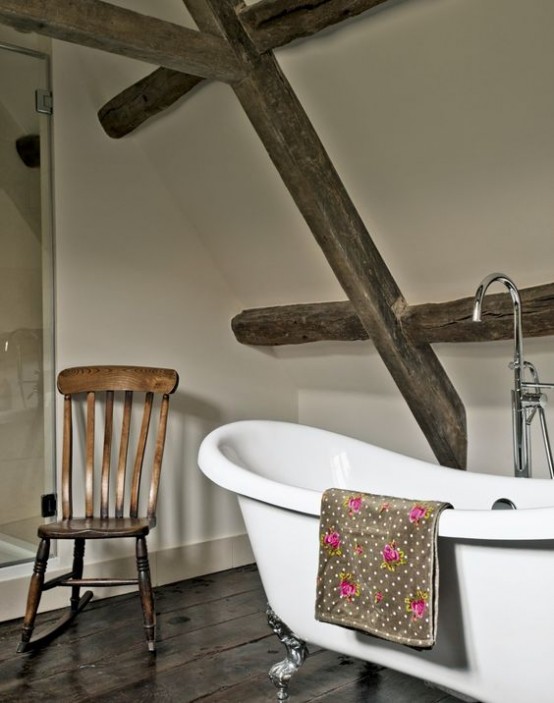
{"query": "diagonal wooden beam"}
[(269, 23), (101, 25), (429, 323), (315, 186)]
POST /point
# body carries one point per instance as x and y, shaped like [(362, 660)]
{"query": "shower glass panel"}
[(26, 296)]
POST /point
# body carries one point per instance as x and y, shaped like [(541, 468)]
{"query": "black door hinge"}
[(48, 505)]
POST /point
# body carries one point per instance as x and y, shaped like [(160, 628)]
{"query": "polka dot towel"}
[(378, 569)]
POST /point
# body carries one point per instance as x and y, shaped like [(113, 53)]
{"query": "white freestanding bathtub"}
[(495, 638)]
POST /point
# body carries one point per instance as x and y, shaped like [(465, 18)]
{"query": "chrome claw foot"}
[(297, 651)]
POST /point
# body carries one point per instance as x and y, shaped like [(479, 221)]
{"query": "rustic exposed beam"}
[(431, 322), (101, 25), (295, 149), (17, 181), (273, 23), (299, 324), (269, 23), (451, 322), (155, 92)]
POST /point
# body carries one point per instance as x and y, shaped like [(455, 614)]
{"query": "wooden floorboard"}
[(214, 646)]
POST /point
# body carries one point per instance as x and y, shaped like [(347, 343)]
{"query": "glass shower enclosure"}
[(26, 300)]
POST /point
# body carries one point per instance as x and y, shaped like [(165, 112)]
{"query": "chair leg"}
[(146, 594), (35, 592), (78, 556), (36, 588)]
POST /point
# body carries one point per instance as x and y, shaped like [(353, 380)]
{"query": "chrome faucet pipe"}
[(546, 440), (532, 384), (533, 401), (516, 302), (520, 432)]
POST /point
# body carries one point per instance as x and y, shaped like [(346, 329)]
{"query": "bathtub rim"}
[(522, 524)]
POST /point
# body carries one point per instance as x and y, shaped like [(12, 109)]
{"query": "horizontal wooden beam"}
[(152, 94), (127, 110), (101, 25), (269, 23), (428, 323), (452, 322), (274, 23)]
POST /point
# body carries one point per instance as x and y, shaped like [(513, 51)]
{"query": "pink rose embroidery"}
[(418, 512), (384, 506), (353, 503), (348, 588), (417, 605), (331, 542), (358, 549), (378, 597), (392, 556)]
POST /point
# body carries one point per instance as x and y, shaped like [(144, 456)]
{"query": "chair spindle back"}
[(99, 384)]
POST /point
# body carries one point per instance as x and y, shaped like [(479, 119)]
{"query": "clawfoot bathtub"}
[(495, 638)]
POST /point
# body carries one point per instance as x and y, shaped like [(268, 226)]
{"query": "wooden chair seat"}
[(96, 528), (110, 495)]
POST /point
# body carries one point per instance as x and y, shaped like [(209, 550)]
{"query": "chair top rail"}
[(82, 379)]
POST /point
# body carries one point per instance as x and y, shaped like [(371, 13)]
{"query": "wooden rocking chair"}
[(99, 384)]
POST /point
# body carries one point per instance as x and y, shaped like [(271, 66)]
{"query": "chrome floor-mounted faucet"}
[(528, 400)]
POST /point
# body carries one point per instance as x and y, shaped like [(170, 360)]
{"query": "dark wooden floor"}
[(214, 646)]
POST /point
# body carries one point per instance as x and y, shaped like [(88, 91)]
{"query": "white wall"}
[(438, 116), (362, 401)]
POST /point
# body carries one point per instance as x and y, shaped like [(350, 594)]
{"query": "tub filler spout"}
[(528, 399), (520, 428)]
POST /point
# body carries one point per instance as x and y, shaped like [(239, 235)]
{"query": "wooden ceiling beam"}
[(274, 23), (268, 23), (301, 160), (101, 25), (428, 323), (139, 102)]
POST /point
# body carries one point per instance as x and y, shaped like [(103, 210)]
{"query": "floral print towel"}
[(378, 569)]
